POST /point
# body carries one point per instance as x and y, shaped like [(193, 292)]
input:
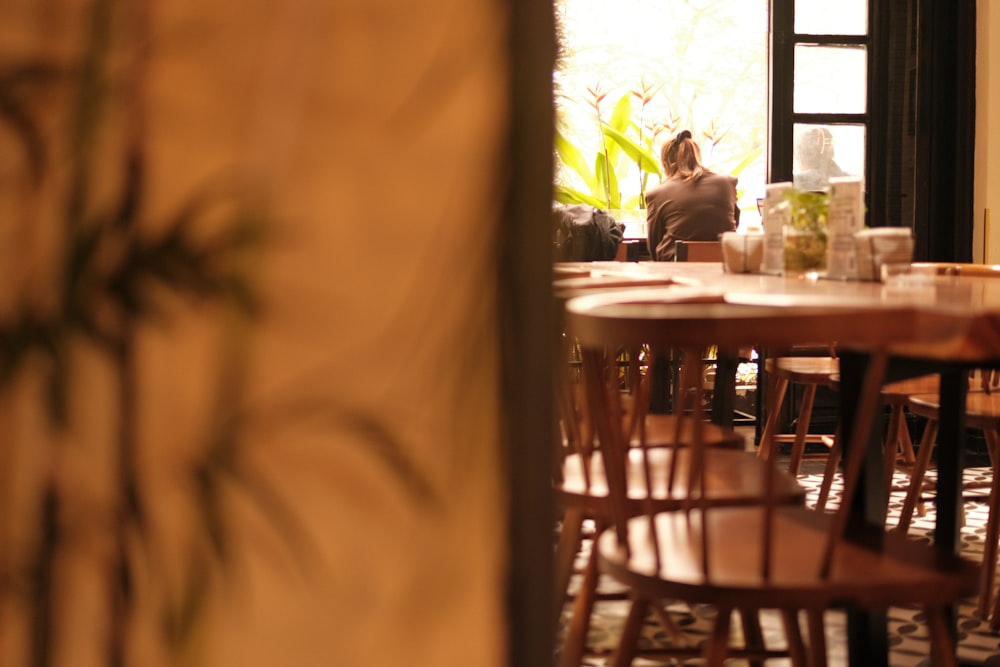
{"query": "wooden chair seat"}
[(668, 431), (873, 578), (660, 430), (904, 572), (805, 369), (982, 409), (736, 479)]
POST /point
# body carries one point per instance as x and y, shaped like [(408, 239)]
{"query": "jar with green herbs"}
[(805, 232)]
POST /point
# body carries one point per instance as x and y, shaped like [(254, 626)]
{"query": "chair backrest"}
[(698, 251), (629, 364), (635, 319)]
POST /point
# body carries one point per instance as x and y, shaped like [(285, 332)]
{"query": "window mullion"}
[(780, 84)]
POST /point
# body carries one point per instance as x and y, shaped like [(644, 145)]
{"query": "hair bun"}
[(685, 134)]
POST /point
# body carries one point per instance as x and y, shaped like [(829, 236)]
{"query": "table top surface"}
[(970, 303)]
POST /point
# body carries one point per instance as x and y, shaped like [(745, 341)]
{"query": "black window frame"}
[(920, 117), (782, 116)]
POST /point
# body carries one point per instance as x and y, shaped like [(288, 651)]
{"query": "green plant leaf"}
[(621, 116), (641, 156), (567, 195), (808, 209), (571, 156), (614, 192), (621, 119), (746, 161), (604, 176), (633, 202)]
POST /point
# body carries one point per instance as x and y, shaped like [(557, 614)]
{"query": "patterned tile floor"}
[(978, 645)]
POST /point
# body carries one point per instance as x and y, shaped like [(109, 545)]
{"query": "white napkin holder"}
[(882, 245)]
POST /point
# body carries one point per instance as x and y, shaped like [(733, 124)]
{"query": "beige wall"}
[(986, 239), (372, 134)]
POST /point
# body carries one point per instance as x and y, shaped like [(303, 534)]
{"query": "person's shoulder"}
[(809, 180), (658, 190), (726, 178)]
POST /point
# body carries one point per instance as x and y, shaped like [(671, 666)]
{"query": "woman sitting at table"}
[(691, 204)]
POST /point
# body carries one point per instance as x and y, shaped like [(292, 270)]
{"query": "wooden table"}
[(972, 303)]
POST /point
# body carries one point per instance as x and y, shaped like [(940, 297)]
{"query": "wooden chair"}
[(982, 411), (815, 372), (898, 450), (698, 251), (580, 486), (765, 555), (781, 372), (811, 372), (657, 444)]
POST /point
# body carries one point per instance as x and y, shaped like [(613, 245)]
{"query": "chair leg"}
[(776, 397), (892, 434), (817, 638), (905, 443), (890, 449), (575, 641), (625, 652), (995, 616), (793, 637), (917, 476), (717, 645), (753, 636), (942, 645), (829, 471), (676, 635), (907, 455), (802, 429), (566, 551), (899, 447), (989, 564)]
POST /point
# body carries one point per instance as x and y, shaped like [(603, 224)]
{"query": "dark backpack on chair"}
[(585, 234)]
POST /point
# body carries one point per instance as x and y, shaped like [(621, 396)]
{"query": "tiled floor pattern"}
[(978, 645)]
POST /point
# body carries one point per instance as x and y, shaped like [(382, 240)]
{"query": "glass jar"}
[(805, 250)]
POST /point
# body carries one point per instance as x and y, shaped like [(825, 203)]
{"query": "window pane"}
[(831, 17), (830, 79), (824, 151), (658, 49)]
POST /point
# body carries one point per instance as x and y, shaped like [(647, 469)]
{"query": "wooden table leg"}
[(950, 463), (867, 631), (724, 393)]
